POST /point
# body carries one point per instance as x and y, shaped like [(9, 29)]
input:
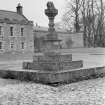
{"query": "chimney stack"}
[(19, 9)]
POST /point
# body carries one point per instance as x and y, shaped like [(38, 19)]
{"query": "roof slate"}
[(12, 17), (40, 28)]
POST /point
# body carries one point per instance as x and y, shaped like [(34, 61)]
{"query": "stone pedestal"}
[(52, 61)]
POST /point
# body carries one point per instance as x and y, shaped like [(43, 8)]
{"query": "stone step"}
[(52, 58), (46, 77), (53, 66)]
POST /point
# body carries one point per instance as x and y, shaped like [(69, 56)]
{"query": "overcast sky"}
[(34, 9)]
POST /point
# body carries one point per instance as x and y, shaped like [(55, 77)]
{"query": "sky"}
[(34, 9)]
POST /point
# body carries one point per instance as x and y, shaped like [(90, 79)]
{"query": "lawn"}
[(91, 57)]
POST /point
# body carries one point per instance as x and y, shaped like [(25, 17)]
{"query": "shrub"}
[(69, 43)]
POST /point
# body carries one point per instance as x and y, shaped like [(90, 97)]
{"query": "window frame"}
[(12, 45), (1, 45), (23, 45), (1, 30), (11, 31), (22, 31)]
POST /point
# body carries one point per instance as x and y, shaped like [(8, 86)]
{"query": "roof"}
[(44, 29), (12, 17)]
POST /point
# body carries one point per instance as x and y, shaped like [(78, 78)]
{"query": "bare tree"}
[(88, 18), (100, 27), (71, 16), (91, 15)]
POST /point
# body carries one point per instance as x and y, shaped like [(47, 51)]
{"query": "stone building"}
[(16, 31), (69, 40)]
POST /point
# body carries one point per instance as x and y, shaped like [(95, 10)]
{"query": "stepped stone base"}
[(52, 61), (48, 77), (52, 67)]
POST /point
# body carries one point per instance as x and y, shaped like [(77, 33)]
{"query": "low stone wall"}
[(53, 77), (69, 40)]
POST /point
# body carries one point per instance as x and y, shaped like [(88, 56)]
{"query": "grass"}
[(90, 56), (15, 56)]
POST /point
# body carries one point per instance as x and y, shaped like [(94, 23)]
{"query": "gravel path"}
[(88, 92)]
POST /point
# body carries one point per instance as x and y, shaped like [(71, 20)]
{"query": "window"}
[(22, 31), (11, 31), (12, 45), (0, 45), (22, 45), (0, 30)]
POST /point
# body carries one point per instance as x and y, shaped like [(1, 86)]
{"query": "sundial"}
[(51, 61)]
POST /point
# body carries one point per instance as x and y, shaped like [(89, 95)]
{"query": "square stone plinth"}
[(51, 57), (53, 61)]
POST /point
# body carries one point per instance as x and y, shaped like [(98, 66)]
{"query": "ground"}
[(87, 92)]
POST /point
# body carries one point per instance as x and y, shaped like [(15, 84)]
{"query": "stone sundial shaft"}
[(51, 12), (52, 41)]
